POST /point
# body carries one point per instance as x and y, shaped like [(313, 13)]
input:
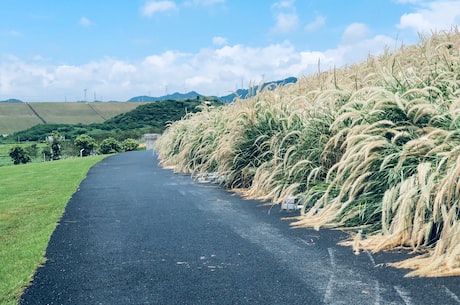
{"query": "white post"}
[(81, 152)]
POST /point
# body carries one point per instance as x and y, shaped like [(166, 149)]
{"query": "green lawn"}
[(32, 199)]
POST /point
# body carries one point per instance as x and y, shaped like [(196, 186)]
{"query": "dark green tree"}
[(54, 141), (85, 142), (109, 146), (19, 155)]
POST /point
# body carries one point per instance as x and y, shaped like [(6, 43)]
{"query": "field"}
[(5, 158), (373, 148), (32, 199), (18, 116)]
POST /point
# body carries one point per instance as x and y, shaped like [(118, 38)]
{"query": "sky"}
[(86, 50)]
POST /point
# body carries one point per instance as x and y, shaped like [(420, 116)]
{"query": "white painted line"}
[(451, 294), (332, 258), (377, 292), (329, 290), (370, 257), (404, 294)]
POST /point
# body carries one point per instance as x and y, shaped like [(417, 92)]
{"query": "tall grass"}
[(373, 146)]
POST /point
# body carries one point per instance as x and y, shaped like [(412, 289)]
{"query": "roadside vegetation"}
[(32, 199), (374, 147)]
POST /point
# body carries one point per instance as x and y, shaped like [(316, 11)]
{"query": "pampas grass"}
[(373, 146)]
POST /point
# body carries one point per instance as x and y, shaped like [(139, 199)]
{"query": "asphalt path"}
[(134, 233)]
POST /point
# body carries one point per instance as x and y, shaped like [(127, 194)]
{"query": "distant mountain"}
[(242, 93), (11, 100), (245, 93), (175, 96)]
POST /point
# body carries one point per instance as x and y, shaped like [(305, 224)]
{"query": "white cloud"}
[(204, 2), (319, 22), (355, 32), (219, 41), (286, 18), (196, 81), (284, 4), (351, 53), (407, 1), (85, 22), (432, 16), (152, 7), (210, 71), (285, 23)]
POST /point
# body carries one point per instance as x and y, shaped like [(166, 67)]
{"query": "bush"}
[(32, 150), (19, 155), (129, 145), (109, 146), (85, 142)]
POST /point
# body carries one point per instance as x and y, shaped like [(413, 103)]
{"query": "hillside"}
[(20, 116), (16, 115), (145, 118)]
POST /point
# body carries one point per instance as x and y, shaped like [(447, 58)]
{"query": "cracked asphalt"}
[(134, 233)]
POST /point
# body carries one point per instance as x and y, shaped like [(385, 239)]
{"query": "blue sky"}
[(54, 50)]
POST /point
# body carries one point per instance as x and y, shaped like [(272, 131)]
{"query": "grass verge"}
[(32, 199)]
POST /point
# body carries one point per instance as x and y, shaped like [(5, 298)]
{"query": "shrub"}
[(85, 143), (129, 145), (110, 146), (32, 150), (19, 155)]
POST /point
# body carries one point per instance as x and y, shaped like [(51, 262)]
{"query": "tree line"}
[(85, 145)]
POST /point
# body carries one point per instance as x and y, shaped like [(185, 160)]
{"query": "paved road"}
[(137, 234)]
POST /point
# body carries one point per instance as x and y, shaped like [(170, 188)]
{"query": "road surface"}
[(135, 233)]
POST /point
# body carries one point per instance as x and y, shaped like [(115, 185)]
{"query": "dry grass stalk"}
[(373, 145)]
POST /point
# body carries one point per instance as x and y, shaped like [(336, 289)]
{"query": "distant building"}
[(51, 138), (150, 139)]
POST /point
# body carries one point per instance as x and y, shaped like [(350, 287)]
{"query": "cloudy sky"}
[(113, 50)]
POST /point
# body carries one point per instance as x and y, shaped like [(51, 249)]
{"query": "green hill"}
[(15, 117), (146, 118)]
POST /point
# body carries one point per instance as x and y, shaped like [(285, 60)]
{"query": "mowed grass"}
[(15, 117), (5, 158), (32, 199), (18, 116), (84, 113)]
